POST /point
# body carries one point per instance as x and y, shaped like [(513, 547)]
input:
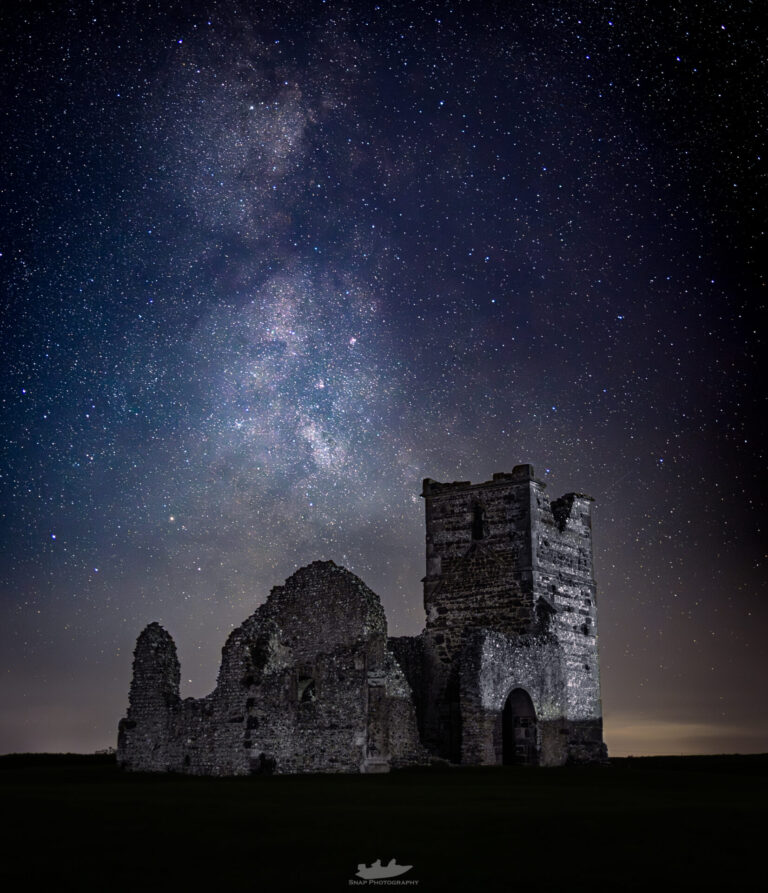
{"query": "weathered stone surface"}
[(306, 685), (153, 703), (506, 669)]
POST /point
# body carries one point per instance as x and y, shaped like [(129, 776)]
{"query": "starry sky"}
[(264, 269)]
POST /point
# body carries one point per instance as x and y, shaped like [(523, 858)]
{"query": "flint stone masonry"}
[(306, 685), (505, 671)]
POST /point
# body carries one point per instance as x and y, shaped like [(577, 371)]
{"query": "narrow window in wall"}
[(478, 523)]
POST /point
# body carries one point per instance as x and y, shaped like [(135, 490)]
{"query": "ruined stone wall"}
[(306, 685), (154, 704), (409, 654), (393, 734)]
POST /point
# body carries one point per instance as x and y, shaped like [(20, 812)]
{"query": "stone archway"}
[(518, 730)]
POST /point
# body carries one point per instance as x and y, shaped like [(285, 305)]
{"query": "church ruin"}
[(505, 671)]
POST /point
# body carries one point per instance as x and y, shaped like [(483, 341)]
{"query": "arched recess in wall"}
[(518, 730)]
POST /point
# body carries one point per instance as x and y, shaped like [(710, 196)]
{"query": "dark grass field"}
[(664, 823)]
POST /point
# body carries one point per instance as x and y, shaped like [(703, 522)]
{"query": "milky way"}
[(264, 270)]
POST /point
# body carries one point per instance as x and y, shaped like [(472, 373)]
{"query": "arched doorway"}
[(518, 730)]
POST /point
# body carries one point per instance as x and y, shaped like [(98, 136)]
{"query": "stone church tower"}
[(506, 670)]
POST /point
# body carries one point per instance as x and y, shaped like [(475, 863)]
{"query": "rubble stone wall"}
[(306, 685)]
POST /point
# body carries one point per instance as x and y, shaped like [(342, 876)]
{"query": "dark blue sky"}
[(264, 270)]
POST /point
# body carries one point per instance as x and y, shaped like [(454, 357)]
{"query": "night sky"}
[(264, 270)]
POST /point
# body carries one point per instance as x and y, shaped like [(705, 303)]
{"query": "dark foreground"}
[(658, 823)]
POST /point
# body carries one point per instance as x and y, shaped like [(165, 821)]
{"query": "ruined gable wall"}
[(305, 685), (323, 606), (294, 677)]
